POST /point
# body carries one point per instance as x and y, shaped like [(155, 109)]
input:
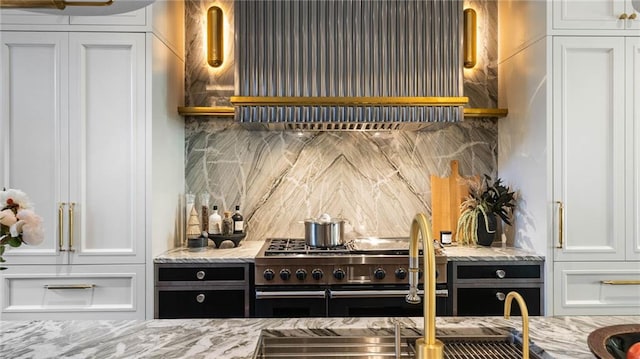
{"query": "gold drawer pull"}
[(633, 16), (560, 224), (69, 286), (621, 282), (622, 16)]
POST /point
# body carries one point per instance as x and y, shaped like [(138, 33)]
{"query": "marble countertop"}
[(247, 250), (560, 337)]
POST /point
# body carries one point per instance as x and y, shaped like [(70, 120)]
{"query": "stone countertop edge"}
[(247, 250), (244, 253), (560, 337)]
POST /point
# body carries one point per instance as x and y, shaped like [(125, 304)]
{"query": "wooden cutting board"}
[(447, 193)]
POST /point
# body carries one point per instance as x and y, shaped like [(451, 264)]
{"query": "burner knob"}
[(338, 274), (285, 274), (379, 273), (316, 274), (301, 274), (268, 274), (401, 273)]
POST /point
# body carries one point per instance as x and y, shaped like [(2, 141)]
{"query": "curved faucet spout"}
[(428, 346), (525, 319)]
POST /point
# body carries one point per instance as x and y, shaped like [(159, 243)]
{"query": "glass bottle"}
[(215, 221), (227, 224), (238, 221), (204, 212)]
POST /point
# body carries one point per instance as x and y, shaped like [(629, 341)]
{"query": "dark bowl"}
[(614, 341)]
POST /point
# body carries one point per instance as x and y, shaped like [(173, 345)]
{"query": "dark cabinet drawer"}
[(495, 271), (490, 301), (201, 304), (201, 274)]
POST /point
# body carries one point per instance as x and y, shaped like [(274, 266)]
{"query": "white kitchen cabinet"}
[(74, 137), (596, 14), (573, 136), (589, 147)]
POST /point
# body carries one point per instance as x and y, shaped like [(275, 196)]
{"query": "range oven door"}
[(381, 302), (290, 302)]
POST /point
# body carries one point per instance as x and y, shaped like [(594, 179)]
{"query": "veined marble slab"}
[(560, 337), (244, 253), (480, 253)]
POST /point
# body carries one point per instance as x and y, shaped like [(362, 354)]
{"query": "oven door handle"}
[(291, 294), (380, 293)]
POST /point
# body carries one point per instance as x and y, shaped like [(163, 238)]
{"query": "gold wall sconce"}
[(469, 39), (215, 36)]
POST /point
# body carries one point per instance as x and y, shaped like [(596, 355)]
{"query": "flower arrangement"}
[(18, 222), (487, 198)]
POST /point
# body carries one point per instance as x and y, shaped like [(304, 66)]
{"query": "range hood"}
[(348, 65)]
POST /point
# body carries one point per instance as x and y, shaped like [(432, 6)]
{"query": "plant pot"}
[(485, 238)]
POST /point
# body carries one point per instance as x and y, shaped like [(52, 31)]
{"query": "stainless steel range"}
[(364, 277)]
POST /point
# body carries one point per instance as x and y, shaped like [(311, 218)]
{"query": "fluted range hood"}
[(348, 65)]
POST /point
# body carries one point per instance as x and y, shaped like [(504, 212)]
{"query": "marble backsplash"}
[(377, 181)]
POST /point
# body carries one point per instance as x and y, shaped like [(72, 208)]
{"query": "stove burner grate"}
[(292, 246)]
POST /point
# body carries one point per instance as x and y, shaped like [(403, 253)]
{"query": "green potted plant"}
[(487, 199)]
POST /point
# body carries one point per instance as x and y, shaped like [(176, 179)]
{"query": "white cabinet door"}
[(589, 146), (633, 146), (33, 132), (107, 147), (595, 15)]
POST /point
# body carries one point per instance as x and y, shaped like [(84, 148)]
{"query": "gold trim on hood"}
[(347, 101), (49, 4)]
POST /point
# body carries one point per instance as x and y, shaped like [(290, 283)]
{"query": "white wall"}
[(524, 136)]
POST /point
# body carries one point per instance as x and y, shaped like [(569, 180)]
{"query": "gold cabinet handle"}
[(621, 282), (71, 206), (69, 286), (560, 224), (633, 16), (623, 16), (61, 226)]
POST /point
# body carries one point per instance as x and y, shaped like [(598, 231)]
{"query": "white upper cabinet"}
[(73, 137), (596, 14)]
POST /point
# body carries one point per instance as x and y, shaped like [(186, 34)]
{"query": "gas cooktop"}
[(364, 246)]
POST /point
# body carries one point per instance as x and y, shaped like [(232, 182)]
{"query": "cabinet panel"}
[(633, 146), (81, 292), (595, 288), (203, 303), (595, 15), (490, 301), (34, 121), (589, 145), (107, 146)]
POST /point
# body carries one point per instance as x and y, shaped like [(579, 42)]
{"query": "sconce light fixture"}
[(215, 35), (469, 38)]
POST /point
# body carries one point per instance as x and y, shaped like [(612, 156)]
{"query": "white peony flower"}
[(16, 196), (32, 232), (8, 218)]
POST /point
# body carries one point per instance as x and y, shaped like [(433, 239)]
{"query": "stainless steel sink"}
[(273, 344)]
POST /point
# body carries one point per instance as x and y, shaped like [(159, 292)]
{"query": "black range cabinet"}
[(480, 288), (203, 290)]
